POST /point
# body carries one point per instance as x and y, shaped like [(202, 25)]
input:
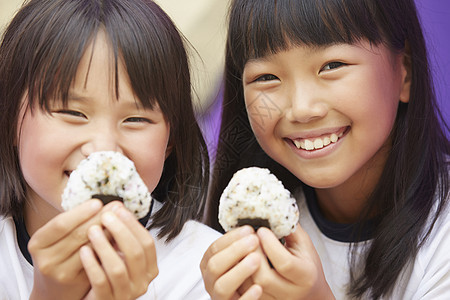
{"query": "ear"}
[(406, 74), (169, 148), (23, 109)]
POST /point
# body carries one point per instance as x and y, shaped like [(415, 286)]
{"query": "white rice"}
[(107, 173), (255, 193)]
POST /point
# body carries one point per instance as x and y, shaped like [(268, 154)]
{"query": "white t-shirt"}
[(427, 277), (178, 264)]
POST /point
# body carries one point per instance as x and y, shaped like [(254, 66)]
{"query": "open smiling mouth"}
[(316, 143)]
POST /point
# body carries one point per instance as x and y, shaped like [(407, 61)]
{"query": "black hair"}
[(414, 182), (39, 56)]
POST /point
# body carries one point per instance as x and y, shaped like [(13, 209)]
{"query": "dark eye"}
[(266, 77), (138, 120), (333, 65), (71, 113)]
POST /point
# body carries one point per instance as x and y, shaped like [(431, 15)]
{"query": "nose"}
[(306, 103), (101, 138)]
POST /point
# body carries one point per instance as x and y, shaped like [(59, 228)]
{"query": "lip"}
[(318, 133), (318, 153), (67, 173)]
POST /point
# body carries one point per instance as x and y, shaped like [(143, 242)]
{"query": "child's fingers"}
[(145, 240), (139, 255), (142, 235), (281, 259), (66, 241), (63, 265), (297, 269), (100, 287), (273, 285), (227, 285), (63, 278), (65, 248), (253, 293), (224, 260), (286, 259), (225, 241), (112, 264), (78, 235), (299, 240), (64, 223), (54, 249)]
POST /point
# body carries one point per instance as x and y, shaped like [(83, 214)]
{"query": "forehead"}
[(102, 76), (98, 63)]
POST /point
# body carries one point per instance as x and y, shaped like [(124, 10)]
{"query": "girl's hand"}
[(123, 267), (228, 264), (58, 272), (297, 271)]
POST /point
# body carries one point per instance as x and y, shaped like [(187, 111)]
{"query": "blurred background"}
[(203, 23)]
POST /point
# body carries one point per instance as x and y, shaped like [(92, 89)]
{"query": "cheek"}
[(31, 146), (42, 158), (381, 112), (384, 94), (373, 99), (263, 113), (151, 172), (149, 157)]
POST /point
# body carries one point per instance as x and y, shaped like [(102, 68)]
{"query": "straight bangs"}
[(262, 27), (50, 68), (152, 51), (145, 41)]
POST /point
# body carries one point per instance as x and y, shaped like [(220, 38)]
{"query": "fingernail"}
[(84, 251), (251, 241), (124, 213), (262, 232), (245, 230), (96, 204), (95, 231), (108, 218), (256, 291), (115, 206)]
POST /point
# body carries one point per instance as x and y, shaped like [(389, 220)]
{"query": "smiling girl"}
[(335, 98), (78, 77)]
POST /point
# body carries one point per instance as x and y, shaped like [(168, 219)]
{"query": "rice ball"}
[(107, 175), (256, 197)]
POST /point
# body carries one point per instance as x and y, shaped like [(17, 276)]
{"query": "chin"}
[(321, 181)]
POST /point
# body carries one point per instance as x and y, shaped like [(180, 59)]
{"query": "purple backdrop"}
[(435, 15)]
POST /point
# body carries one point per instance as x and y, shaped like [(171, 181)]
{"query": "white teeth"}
[(333, 138), (318, 143), (309, 145)]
